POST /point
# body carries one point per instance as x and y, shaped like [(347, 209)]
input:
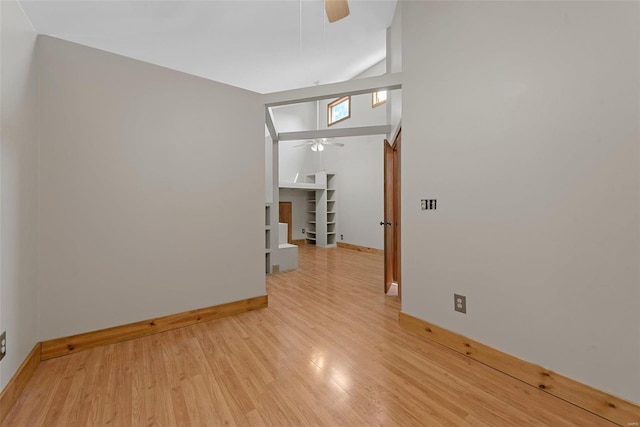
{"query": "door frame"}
[(391, 223), (289, 224)]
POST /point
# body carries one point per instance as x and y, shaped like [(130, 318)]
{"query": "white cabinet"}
[(321, 210), (287, 253)]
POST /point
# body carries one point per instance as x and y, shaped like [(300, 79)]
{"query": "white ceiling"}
[(258, 44)]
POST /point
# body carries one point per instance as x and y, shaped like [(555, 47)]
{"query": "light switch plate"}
[(428, 204)]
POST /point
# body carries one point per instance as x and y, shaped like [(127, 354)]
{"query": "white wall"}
[(377, 69), (295, 117), (152, 194), (358, 165), (292, 118), (359, 171), (522, 120), (360, 197), (394, 65), (19, 187), (268, 169), (293, 160)]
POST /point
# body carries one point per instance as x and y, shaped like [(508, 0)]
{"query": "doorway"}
[(286, 216), (391, 221)]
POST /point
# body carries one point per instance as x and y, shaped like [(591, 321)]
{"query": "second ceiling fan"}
[(319, 144)]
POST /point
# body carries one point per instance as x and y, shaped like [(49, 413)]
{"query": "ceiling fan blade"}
[(337, 144), (302, 145), (336, 9)]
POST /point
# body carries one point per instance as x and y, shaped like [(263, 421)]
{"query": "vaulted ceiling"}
[(260, 45)]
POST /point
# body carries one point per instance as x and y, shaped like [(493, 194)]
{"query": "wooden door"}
[(391, 222), (285, 215)]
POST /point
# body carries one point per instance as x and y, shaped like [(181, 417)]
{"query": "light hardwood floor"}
[(327, 351)]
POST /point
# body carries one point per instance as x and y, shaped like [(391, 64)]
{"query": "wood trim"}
[(375, 102), (359, 248), (298, 242), (18, 382), (73, 344), (397, 207), (333, 104), (598, 402), (285, 212)]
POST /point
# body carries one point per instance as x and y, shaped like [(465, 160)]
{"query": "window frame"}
[(376, 102), (338, 102)]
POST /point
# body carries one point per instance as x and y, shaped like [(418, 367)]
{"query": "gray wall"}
[(152, 191), (19, 187), (522, 120)]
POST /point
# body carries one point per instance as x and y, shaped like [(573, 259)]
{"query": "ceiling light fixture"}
[(317, 146)]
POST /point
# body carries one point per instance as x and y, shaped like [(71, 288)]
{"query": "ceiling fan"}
[(319, 144), (336, 9)]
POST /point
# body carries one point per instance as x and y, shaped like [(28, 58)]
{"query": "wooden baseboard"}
[(73, 344), (18, 382), (360, 248), (598, 402), (298, 242)]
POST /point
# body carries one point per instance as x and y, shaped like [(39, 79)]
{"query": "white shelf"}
[(322, 220), (301, 186), (268, 235)]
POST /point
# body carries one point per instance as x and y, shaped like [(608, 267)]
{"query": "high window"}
[(378, 98), (339, 110)]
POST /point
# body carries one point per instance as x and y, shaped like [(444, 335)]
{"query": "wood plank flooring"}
[(328, 351)]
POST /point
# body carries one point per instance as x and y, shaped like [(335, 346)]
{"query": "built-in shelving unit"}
[(321, 210), (312, 223), (331, 209), (268, 230)]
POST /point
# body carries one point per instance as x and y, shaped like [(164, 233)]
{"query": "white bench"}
[(287, 253)]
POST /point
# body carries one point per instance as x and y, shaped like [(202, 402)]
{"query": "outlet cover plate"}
[(460, 303)]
